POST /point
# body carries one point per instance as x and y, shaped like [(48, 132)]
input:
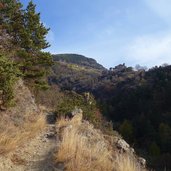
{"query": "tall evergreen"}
[(28, 34), (35, 39), (35, 62)]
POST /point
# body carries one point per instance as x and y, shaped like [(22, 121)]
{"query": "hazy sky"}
[(111, 31)]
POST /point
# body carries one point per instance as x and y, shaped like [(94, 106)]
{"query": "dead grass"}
[(64, 122), (81, 152), (127, 163), (17, 160), (81, 155), (13, 137)]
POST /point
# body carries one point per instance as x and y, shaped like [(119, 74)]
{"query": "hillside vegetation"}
[(74, 72), (136, 101)]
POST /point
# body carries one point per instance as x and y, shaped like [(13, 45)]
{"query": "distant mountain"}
[(79, 60)]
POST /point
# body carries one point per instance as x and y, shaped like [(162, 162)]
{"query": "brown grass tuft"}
[(81, 151), (127, 163), (17, 160), (81, 155), (14, 137)]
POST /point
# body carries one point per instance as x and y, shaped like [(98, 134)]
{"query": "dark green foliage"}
[(12, 20), (154, 149), (126, 130), (8, 77), (165, 136), (34, 65), (145, 103)]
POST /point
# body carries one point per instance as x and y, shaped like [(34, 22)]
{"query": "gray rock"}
[(142, 162), (76, 111), (122, 145), (59, 166)]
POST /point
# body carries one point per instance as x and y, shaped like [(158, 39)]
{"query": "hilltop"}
[(79, 60), (74, 72)]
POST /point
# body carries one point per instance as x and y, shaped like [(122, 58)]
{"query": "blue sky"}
[(110, 31)]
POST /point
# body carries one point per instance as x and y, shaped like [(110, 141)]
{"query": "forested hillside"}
[(136, 101)]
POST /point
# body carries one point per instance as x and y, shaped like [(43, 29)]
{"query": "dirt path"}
[(36, 155)]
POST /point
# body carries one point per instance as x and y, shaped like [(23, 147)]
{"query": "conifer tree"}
[(8, 75), (11, 18), (36, 31), (23, 37), (33, 62)]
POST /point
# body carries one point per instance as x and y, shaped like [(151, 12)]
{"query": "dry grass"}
[(81, 155), (13, 137), (81, 152), (64, 122), (17, 160), (127, 163)]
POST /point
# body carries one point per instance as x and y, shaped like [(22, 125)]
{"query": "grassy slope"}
[(84, 148)]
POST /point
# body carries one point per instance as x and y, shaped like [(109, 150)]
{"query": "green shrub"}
[(72, 100)]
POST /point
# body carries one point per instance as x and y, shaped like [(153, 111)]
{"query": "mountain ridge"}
[(78, 59)]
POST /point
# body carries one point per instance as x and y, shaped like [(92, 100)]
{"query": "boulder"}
[(122, 145), (142, 162)]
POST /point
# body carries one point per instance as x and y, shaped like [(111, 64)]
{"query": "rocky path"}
[(36, 155)]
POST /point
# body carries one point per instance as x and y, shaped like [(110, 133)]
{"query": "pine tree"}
[(11, 18), (8, 76), (36, 31), (28, 35), (33, 62)]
